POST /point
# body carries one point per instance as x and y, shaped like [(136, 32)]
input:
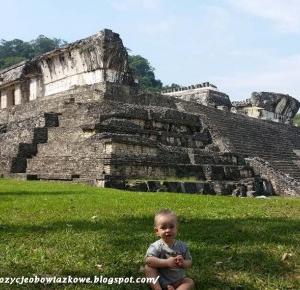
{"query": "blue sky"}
[(239, 45)]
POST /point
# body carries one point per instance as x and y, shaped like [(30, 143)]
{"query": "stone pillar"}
[(3, 100), (18, 95), (33, 89), (25, 91), (10, 97)]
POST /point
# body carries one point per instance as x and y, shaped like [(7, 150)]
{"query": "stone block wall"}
[(206, 94), (120, 136)]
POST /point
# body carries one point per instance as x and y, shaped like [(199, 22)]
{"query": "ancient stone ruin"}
[(75, 114), (206, 94), (275, 107), (269, 106)]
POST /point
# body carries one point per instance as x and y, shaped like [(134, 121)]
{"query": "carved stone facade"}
[(97, 59), (86, 122)]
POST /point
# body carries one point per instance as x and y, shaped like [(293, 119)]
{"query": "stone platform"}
[(119, 138), (105, 132)]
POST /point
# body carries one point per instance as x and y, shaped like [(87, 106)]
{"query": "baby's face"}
[(166, 227)]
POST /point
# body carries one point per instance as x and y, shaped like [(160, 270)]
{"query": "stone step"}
[(287, 170), (128, 127), (54, 176), (287, 162), (256, 142), (148, 141), (186, 156), (135, 169), (88, 180), (262, 152), (21, 176), (9, 149), (75, 119), (222, 159), (250, 186), (286, 166), (5, 164), (66, 135), (10, 144), (81, 148), (71, 165)]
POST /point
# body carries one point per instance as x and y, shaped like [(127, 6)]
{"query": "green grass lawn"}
[(61, 229)]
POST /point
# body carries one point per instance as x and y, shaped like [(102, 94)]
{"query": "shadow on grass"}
[(210, 231), (212, 240), (243, 244)]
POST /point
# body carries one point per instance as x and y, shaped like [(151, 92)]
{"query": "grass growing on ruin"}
[(61, 229)]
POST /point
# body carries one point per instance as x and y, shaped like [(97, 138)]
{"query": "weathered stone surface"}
[(274, 102), (250, 193), (97, 59), (206, 94), (269, 106), (136, 186)]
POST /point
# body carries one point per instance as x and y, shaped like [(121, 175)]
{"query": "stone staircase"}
[(19, 143), (150, 142), (155, 150), (271, 148), (112, 145), (249, 137), (71, 153)]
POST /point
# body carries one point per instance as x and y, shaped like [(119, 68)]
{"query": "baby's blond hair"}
[(164, 211)]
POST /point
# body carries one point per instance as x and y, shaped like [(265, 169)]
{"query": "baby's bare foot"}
[(170, 287)]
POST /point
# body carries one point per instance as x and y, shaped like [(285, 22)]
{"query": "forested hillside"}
[(297, 120), (16, 50)]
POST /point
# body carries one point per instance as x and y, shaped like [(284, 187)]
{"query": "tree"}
[(10, 60), (44, 44), (144, 72), (16, 50), (172, 86), (297, 120)]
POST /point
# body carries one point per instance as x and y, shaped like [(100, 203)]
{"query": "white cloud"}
[(283, 13)]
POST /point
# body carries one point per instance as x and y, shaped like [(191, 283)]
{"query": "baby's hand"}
[(172, 262), (179, 260)]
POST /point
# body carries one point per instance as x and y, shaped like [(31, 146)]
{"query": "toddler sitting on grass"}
[(168, 258)]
